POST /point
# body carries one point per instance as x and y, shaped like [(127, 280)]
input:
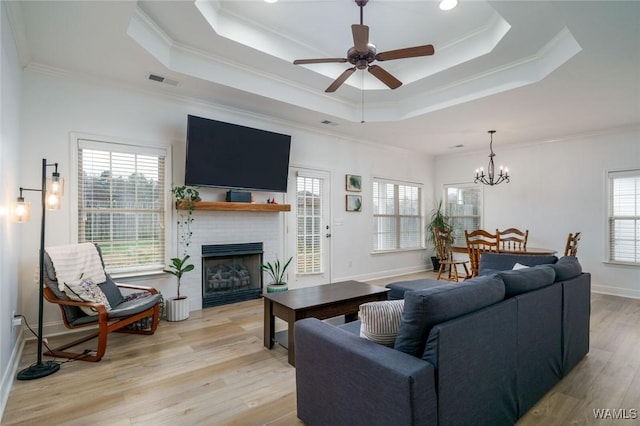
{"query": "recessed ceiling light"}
[(270, 1), (447, 4)]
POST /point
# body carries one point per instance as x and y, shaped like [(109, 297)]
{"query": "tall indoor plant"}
[(185, 198), (437, 220), (277, 273)]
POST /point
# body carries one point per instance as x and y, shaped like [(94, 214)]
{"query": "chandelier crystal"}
[(490, 178)]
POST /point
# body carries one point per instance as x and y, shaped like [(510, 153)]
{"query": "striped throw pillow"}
[(380, 321)]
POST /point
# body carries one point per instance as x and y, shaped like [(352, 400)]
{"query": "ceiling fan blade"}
[(318, 61), (385, 77), (409, 52), (360, 37), (338, 81)]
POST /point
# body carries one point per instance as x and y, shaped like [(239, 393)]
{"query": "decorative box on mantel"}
[(228, 206)]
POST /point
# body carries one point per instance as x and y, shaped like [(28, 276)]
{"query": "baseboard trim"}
[(382, 274), (12, 368), (616, 291)]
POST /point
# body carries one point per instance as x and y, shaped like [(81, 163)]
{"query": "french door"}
[(308, 227)]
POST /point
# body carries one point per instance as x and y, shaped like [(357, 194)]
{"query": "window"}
[(463, 205), (121, 203), (396, 216), (624, 216)]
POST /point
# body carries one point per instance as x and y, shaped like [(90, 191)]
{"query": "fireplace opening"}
[(231, 273)]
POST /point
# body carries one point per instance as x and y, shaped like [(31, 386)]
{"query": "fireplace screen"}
[(231, 273)]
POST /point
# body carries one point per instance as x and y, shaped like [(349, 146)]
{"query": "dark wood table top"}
[(307, 297), (462, 248)]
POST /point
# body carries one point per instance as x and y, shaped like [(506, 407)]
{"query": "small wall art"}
[(354, 203), (354, 183)]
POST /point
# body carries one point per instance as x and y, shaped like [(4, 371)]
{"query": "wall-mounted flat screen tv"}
[(227, 155)]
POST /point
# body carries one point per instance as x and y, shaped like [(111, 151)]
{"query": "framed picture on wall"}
[(354, 183), (354, 203)]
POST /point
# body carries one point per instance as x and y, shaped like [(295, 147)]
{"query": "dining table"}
[(462, 248)]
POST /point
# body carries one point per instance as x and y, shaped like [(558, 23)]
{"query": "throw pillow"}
[(519, 266), (380, 321), (85, 290)]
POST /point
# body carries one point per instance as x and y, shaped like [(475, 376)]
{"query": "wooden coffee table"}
[(322, 302)]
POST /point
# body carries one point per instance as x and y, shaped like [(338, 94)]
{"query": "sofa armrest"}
[(344, 379)]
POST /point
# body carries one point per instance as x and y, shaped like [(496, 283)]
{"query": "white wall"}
[(56, 106), (10, 76), (557, 188)]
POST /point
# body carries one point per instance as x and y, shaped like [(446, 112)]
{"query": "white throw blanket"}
[(74, 261)]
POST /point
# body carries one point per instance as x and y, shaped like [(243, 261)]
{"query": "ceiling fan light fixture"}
[(448, 4)]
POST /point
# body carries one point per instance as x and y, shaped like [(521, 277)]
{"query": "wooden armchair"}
[(139, 313), (571, 248), (513, 239), (443, 247), (478, 242)]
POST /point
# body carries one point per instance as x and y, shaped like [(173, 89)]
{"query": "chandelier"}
[(490, 178)]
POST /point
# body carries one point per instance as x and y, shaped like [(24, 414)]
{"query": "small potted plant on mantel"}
[(437, 220), (177, 308), (277, 273)]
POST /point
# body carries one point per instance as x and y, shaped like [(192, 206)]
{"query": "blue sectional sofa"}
[(481, 352)]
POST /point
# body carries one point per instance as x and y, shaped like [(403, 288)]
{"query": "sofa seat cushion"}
[(398, 289), (380, 321), (492, 262), (424, 309), (566, 268), (523, 280)]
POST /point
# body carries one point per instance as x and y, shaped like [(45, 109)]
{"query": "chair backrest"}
[(443, 243), (571, 249), (478, 242), (513, 239)]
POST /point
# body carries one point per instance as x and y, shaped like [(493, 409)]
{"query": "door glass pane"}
[(309, 229)]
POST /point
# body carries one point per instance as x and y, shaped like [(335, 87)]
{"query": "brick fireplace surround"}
[(229, 227)]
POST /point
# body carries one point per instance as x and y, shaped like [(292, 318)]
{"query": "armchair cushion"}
[(85, 290)]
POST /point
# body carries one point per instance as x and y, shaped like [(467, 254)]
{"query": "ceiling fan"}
[(363, 53)]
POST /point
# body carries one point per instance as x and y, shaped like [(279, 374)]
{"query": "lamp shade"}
[(21, 210)]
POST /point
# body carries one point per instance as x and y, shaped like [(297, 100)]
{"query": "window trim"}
[(132, 146), (420, 214), (609, 175)]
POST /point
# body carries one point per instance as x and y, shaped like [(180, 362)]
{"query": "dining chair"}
[(443, 247), (513, 239), (571, 249), (478, 242)]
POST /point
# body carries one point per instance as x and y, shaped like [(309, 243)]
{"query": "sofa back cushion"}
[(527, 279), (424, 309), (566, 268), (492, 262)]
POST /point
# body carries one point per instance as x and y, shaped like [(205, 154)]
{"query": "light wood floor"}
[(213, 370)]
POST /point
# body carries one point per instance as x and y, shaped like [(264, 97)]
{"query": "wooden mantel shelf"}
[(246, 207)]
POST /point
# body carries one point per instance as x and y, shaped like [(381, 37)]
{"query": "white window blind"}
[(309, 224), (121, 203), (396, 215), (463, 205), (624, 216)]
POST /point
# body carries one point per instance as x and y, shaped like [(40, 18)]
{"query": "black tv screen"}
[(227, 155)]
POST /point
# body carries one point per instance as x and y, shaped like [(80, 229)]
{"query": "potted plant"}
[(437, 220), (177, 308), (277, 273)]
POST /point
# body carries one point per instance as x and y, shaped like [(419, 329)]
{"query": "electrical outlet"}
[(17, 321)]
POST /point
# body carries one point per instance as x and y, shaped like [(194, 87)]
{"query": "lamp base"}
[(39, 370)]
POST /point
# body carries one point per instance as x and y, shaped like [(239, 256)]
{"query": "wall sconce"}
[(50, 195)]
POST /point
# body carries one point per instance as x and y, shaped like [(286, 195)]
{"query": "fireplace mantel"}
[(228, 206)]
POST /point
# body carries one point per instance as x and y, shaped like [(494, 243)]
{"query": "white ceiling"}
[(532, 70)]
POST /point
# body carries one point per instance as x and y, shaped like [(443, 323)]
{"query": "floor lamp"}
[(50, 200)]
